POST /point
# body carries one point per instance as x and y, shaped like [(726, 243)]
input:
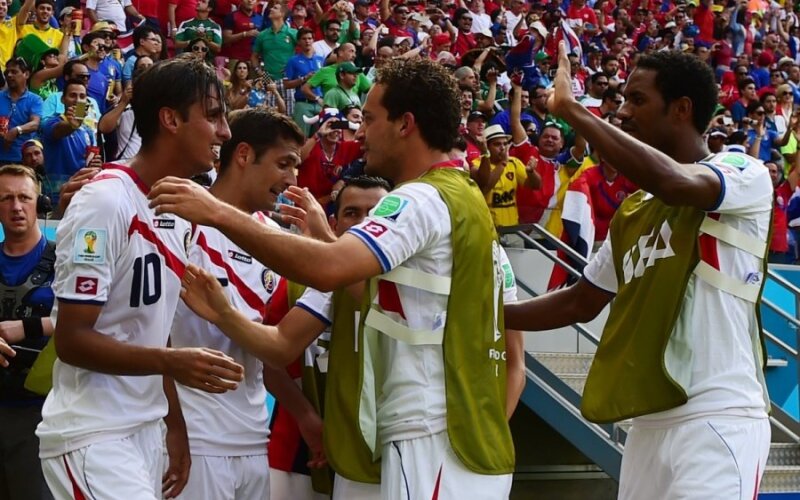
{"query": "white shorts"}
[(345, 489), (129, 468), (292, 486), (427, 467), (227, 478), (709, 458)]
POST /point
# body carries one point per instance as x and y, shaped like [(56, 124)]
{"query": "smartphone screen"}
[(727, 120), (80, 110)]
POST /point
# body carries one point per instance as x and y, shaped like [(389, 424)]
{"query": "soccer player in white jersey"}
[(117, 283), (228, 432), (410, 123), (713, 441)]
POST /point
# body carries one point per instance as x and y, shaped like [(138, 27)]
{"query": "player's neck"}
[(155, 163), (688, 149), (17, 245), (229, 190), (418, 160)]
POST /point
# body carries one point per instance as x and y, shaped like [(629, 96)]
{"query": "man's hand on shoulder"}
[(187, 200)]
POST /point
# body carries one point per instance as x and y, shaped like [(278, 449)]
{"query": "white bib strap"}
[(418, 279), (388, 326), (715, 278), (734, 237)]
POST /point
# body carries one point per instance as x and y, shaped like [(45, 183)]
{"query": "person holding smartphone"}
[(67, 139)]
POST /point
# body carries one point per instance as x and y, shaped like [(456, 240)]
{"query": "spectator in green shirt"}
[(273, 48), (325, 78), (200, 27), (344, 94)]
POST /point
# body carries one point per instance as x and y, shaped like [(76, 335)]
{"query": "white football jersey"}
[(233, 423), (115, 252)]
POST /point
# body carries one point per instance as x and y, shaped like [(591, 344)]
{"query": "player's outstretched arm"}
[(278, 345), (672, 182), (79, 344), (346, 261), (578, 303)]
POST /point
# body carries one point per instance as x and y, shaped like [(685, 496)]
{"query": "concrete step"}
[(565, 363), (784, 454), (780, 478)]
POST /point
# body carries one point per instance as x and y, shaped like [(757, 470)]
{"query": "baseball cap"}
[(476, 115), (718, 132), (65, 12), (494, 132), (541, 56), (785, 60), (32, 142), (485, 32), (347, 67)]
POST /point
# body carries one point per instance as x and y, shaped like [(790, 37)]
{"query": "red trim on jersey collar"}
[(131, 173), (447, 164)]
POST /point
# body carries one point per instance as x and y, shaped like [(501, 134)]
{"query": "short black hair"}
[(261, 129), (363, 182), (684, 75), (597, 76), (744, 82), (69, 65), (143, 32), (175, 83), (74, 82), (753, 107), (304, 31), (425, 89), (610, 94), (87, 40), (51, 3)]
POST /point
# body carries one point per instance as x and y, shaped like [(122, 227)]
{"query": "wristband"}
[(19, 131), (32, 328)]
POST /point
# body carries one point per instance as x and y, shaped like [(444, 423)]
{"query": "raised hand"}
[(561, 94)]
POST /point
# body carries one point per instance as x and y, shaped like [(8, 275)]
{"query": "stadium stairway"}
[(562, 456)]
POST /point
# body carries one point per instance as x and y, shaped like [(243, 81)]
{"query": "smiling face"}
[(204, 127), (266, 177)]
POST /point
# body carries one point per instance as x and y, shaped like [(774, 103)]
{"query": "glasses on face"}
[(602, 84), (200, 48), (81, 76), (98, 48)]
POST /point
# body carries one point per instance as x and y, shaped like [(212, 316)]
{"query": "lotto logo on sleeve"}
[(85, 285), (90, 246), (375, 229)]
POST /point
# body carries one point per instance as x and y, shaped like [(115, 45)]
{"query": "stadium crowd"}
[(66, 109)]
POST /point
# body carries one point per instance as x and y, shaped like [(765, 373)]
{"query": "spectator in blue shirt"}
[(67, 141), (20, 109), (761, 140), (298, 70), (103, 71), (54, 105)]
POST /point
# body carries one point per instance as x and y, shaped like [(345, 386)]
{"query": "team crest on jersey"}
[(240, 257), (90, 246), (164, 223), (268, 280), (187, 241), (510, 176), (391, 207), (735, 160)]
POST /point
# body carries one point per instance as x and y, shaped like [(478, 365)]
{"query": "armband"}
[(32, 328)]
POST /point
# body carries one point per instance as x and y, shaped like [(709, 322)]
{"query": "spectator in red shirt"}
[(607, 188), (579, 10), (239, 30), (463, 39), (779, 251), (704, 19), (324, 155)]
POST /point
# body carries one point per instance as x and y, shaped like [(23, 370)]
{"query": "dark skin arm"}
[(675, 183), (579, 303)]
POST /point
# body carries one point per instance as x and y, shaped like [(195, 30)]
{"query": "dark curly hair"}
[(427, 90), (684, 75)]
